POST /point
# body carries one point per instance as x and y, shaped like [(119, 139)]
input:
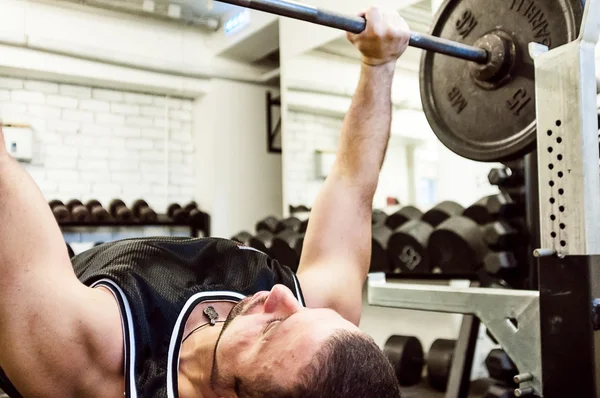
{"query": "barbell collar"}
[(356, 24)]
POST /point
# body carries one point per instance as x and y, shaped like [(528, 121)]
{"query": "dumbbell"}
[(196, 216), (478, 211), (379, 217), (407, 247), (500, 235), (268, 223), (143, 212), (262, 241), (441, 212), (299, 209), (303, 226), (120, 211), (286, 246), (177, 214), (60, 211), (498, 391), (457, 246), (97, 212), (405, 353), (292, 223), (402, 216), (379, 243), (439, 363), (500, 367), (500, 264), (79, 212), (242, 237), (506, 177), (503, 206)]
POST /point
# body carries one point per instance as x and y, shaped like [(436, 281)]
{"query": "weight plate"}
[(488, 113), (439, 363), (405, 353)]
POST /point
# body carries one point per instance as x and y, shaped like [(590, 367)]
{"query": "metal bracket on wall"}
[(273, 129)]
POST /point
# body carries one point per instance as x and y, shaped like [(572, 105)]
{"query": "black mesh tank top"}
[(158, 282)]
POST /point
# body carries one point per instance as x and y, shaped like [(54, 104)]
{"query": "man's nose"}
[(281, 300)]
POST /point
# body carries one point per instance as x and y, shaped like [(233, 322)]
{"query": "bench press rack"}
[(548, 333)]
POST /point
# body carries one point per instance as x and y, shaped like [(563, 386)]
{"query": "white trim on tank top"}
[(129, 355), (175, 333)]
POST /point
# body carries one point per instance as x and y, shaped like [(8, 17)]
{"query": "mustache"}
[(241, 308)]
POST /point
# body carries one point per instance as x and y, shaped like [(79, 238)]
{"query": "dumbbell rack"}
[(549, 333), (162, 221)]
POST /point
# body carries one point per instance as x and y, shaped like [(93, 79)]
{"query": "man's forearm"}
[(366, 128)]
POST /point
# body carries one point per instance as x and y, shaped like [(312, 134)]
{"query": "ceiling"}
[(204, 7), (202, 13)]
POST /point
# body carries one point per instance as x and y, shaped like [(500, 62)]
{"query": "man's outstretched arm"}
[(337, 247), (51, 325)]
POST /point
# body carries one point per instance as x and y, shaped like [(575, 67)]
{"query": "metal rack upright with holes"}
[(550, 334)]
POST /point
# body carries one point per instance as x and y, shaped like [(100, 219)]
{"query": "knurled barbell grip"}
[(356, 24)]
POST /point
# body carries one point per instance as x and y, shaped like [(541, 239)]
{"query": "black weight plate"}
[(407, 247), (406, 356), (439, 363), (485, 124)]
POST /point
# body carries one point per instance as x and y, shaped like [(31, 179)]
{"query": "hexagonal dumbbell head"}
[(502, 205), (506, 177), (500, 366), (498, 176), (500, 235), (497, 263), (496, 391)]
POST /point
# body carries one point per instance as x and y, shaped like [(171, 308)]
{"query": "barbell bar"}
[(356, 24)]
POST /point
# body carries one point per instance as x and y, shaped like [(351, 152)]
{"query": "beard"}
[(241, 308)]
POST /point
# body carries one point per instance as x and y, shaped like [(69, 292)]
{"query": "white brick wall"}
[(103, 144)]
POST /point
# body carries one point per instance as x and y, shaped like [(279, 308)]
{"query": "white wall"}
[(240, 182), (338, 75), (92, 143), (104, 144)]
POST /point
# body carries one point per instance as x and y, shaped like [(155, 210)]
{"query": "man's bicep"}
[(329, 287), (58, 336)]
